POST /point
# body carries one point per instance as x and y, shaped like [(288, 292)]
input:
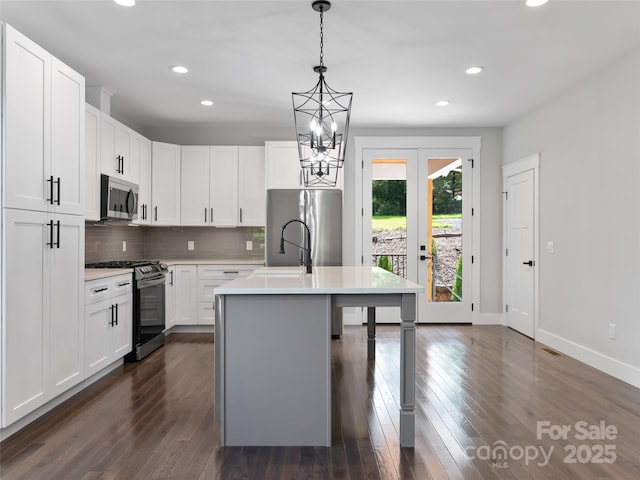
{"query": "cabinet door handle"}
[(155, 213), (236, 272), (57, 234), (205, 214), (50, 242), (122, 171), (58, 199), (116, 314), (171, 282), (112, 315), (124, 284), (98, 290), (240, 214), (50, 182), (118, 167)]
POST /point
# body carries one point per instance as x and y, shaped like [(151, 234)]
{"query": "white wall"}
[(589, 141)]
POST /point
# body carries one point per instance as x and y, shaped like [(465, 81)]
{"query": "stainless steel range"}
[(148, 304)]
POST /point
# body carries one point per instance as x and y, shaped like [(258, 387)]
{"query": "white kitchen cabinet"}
[(165, 184), (252, 198), (195, 202), (116, 157), (210, 277), (108, 321), (223, 178), (92, 163), (283, 167), (142, 147), (43, 321), (44, 129), (170, 298), (222, 186), (186, 288)]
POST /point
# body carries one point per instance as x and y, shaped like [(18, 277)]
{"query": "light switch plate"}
[(249, 245), (191, 245), (550, 247), (124, 245)]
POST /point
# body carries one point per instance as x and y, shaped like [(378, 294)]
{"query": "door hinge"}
[(363, 164), (472, 307), (506, 252), (472, 162), (506, 308), (472, 211), (362, 211), (506, 195), (472, 258), (362, 260)]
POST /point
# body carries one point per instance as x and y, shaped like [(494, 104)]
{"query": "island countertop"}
[(323, 280)]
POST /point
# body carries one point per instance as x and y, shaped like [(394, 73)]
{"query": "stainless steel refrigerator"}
[(321, 210)]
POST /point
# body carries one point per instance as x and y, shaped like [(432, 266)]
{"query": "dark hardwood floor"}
[(480, 392)]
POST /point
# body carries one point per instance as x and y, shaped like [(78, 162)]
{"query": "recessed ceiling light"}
[(206, 103), (179, 69), (126, 3), (474, 70), (536, 3), (442, 103)]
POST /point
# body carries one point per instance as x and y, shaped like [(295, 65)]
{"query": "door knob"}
[(530, 263)]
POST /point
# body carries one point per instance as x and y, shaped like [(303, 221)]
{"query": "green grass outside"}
[(400, 223)]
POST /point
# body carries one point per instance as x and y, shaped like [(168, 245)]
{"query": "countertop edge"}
[(99, 273)]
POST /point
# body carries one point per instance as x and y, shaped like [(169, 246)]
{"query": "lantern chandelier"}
[(322, 122)]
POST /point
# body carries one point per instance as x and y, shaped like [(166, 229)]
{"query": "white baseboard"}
[(489, 319), (615, 368), (37, 413)]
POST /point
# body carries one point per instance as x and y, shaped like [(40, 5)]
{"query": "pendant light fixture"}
[(322, 122)]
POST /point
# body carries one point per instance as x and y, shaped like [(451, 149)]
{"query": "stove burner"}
[(122, 264)]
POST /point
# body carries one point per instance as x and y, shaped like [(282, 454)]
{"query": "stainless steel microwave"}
[(118, 199)]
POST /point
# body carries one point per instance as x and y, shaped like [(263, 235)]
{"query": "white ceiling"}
[(398, 57)]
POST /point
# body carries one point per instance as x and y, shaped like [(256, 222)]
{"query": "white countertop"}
[(323, 280), (97, 273)]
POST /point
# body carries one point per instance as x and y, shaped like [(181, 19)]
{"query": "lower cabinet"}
[(170, 298), (194, 286), (108, 321), (42, 325)]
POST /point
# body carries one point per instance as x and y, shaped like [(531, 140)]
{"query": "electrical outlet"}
[(191, 245), (124, 245), (612, 331), (550, 247), (249, 245)]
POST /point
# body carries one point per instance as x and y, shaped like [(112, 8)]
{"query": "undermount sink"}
[(278, 272)]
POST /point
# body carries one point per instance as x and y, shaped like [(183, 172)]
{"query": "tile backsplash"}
[(105, 242)]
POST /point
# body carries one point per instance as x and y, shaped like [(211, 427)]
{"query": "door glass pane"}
[(389, 214), (444, 230)]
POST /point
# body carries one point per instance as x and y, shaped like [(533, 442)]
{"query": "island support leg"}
[(371, 333), (407, 370)]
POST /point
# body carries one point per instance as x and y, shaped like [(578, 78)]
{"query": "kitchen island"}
[(273, 351)]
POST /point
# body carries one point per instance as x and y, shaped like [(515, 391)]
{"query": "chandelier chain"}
[(321, 38)]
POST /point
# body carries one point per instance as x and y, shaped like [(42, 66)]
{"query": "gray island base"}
[(273, 352)]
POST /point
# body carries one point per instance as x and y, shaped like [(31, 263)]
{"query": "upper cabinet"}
[(165, 184), (222, 186), (44, 129), (142, 147), (116, 150), (283, 167), (92, 163), (252, 199)]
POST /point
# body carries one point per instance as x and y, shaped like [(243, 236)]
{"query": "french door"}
[(431, 249)]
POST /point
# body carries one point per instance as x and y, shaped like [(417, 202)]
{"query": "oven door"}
[(150, 312)]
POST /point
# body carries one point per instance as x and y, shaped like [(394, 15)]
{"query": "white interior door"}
[(520, 251)]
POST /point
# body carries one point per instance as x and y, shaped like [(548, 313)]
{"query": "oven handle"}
[(150, 282)]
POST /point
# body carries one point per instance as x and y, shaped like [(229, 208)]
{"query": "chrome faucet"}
[(306, 249)]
